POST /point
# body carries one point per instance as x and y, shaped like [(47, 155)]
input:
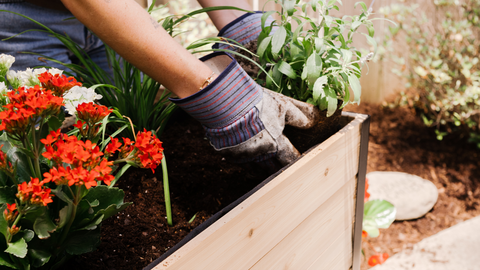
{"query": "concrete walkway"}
[(456, 248)]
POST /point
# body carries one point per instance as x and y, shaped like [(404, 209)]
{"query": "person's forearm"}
[(221, 18), (127, 28)]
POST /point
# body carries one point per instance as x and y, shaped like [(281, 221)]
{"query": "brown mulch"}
[(400, 142), (202, 182)]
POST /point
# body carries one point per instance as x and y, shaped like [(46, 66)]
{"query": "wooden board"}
[(314, 198)]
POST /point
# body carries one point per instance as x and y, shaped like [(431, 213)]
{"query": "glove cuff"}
[(224, 101), (243, 29)]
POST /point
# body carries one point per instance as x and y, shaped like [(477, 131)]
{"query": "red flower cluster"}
[(86, 165), (146, 152), (91, 114), (34, 192), (27, 106), (59, 84), (377, 259), (10, 213)]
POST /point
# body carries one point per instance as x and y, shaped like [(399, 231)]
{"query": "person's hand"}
[(243, 120), (243, 30)]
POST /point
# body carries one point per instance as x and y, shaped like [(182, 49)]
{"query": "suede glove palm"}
[(242, 120)]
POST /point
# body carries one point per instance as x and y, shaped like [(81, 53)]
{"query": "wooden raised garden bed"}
[(306, 216)]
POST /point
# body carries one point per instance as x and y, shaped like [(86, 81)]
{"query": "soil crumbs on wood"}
[(202, 182)]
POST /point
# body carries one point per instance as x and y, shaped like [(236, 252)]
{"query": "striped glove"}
[(242, 120), (244, 29)]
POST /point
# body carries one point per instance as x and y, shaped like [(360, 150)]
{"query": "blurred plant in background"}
[(191, 30), (441, 64)]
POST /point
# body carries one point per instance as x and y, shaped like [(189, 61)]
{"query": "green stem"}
[(166, 191), (76, 200)]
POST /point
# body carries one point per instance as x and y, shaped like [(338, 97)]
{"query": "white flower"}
[(3, 88), (6, 62), (29, 77), (55, 71), (78, 95), (13, 79)]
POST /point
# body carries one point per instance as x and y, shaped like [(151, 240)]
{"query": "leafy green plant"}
[(55, 188), (441, 65), (314, 61)]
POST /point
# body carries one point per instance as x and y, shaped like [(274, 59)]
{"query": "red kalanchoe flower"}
[(146, 152), (112, 147), (34, 192), (59, 84), (364, 234), (367, 195), (92, 113), (28, 106), (76, 163), (10, 213), (377, 259)]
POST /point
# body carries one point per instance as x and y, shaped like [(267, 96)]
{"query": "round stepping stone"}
[(411, 195)]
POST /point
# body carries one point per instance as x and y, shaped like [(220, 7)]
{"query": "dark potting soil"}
[(202, 182)]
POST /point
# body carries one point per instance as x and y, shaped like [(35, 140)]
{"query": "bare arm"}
[(127, 28)]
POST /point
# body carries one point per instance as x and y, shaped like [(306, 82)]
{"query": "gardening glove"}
[(243, 120), (244, 29)]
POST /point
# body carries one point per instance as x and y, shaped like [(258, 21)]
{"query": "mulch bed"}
[(203, 182)]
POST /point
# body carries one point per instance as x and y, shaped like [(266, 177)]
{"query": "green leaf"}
[(39, 257), (347, 55), (355, 25), (3, 222), (289, 5), (16, 156), (318, 91), (64, 215), (372, 42), (7, 194), (356, 88), (265, 16), (80, 242), (332, 101), (18, 248), (377, 214), (286, 69), (278, 40), (364, 7), (5, 261), (263, 46), (43, 225), (108, 197), (314, 68), (28, 235)]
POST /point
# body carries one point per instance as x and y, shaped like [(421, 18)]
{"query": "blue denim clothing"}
[(62, 22)]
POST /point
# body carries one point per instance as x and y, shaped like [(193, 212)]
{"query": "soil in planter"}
[(202, 182)]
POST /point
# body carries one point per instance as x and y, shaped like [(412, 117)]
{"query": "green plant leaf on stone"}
[(377, 214)]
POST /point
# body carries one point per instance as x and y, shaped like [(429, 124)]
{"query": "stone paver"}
[(456, 248), (412, 196)]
